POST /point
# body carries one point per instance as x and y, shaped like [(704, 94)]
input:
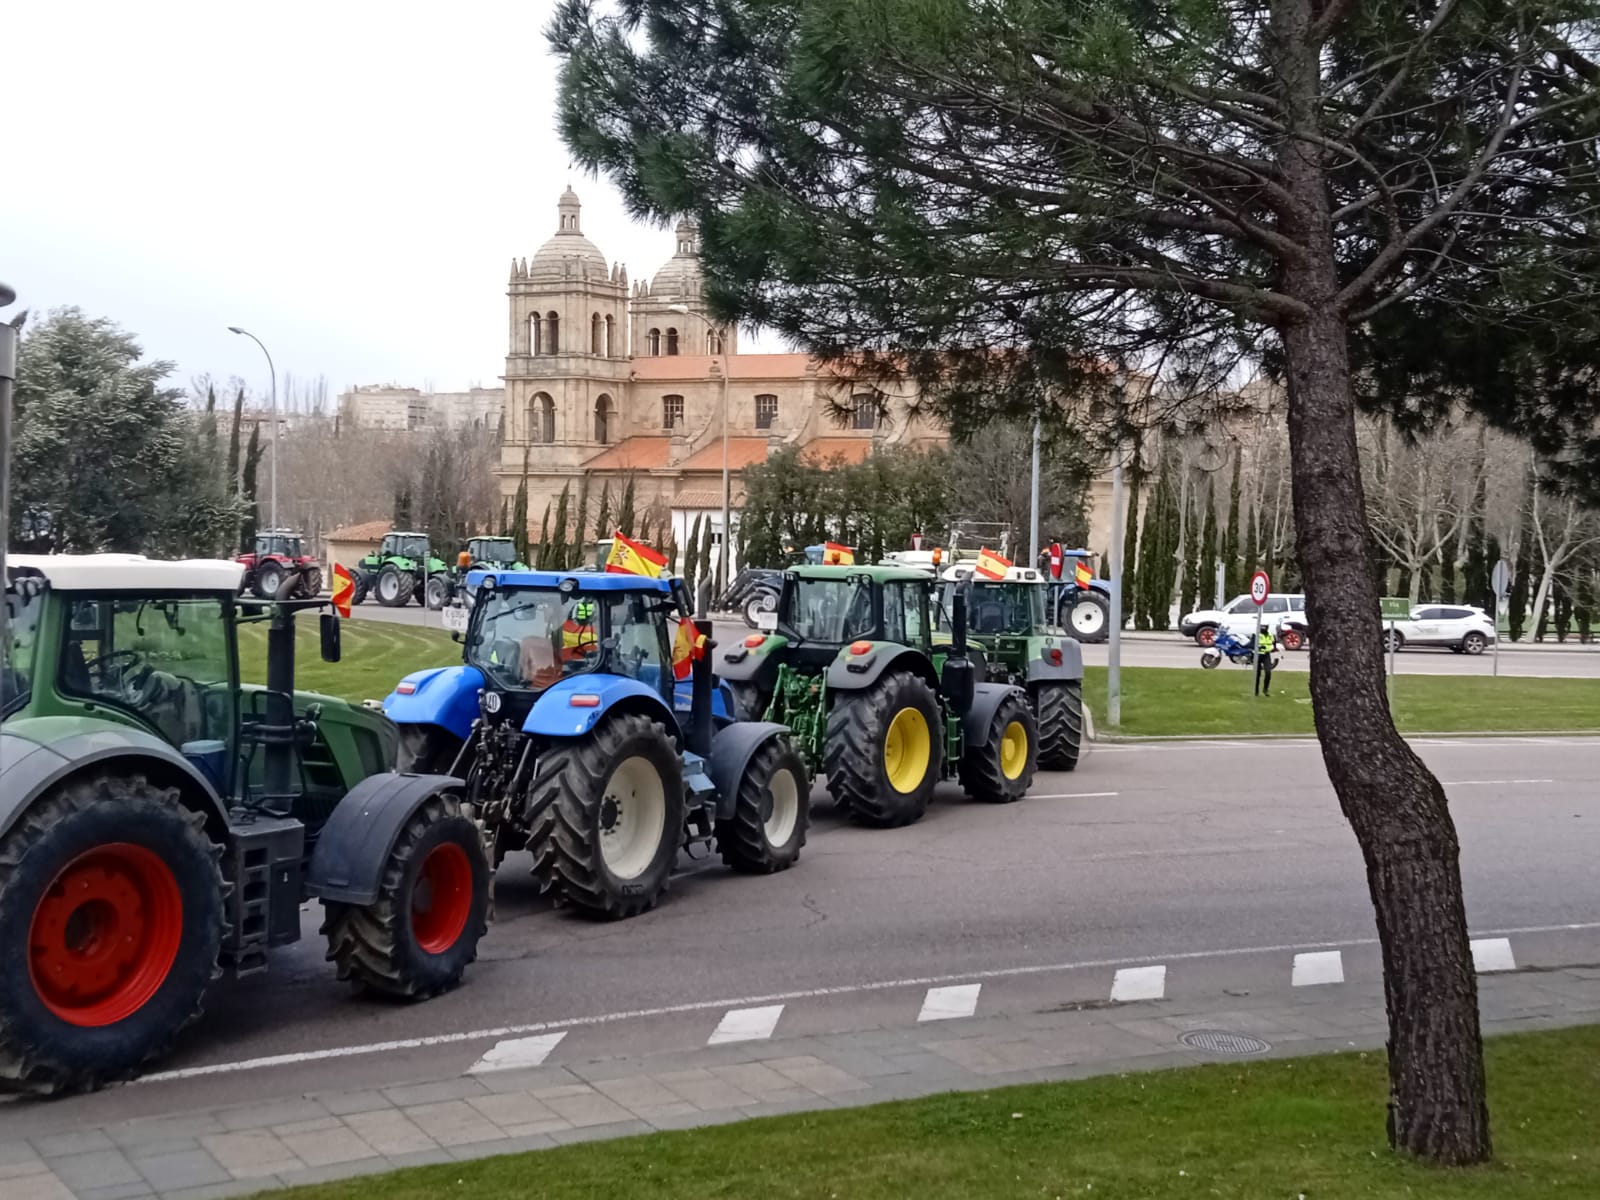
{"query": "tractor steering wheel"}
[(107, 680), (100, 667)]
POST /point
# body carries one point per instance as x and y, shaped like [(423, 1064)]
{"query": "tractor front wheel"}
[(269, 579), (884, 749), (1060, 713), (610, 817), (358, 586), (437, 592), (770, 813), (111, 916), (418, 937), (393, 587), (1001, 769), (1089, 618)]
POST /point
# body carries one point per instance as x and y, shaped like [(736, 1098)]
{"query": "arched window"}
[(552, 320), (863, 411), (713, 341), (671, 412), (542, 419), (596, 333), (610, 332), (672, 340), (605, 413), (766, 412), (654, 340), (536, 334)]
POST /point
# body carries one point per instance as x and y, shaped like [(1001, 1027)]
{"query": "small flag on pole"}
[(990, 565), (1081, 574), (629, 557), (687, 646), (344, 588), (836, 555)]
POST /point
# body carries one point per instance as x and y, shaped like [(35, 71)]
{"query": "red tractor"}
[(278, 570)]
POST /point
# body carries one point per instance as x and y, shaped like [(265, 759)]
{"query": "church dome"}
[(681, 276), (568, 252)]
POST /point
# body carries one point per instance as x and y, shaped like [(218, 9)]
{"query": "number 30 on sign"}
[(1260, 587)]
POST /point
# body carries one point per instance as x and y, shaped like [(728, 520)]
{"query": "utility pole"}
[(1033, 523), (1114, 645)]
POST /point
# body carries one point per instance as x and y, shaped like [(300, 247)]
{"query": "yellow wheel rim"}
[(907, 750), (1013, 750)]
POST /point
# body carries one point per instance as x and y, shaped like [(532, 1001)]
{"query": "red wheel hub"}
[(1206, 636), (441, 901), (105, 934), (1292, 639)]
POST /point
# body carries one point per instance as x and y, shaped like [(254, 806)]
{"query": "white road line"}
[(1072, 795), (1319, 966), (948, 1003), (746, 1025), (1139, 983), (513, 1053), (817, 993), (1489, 782), (1492, 954)]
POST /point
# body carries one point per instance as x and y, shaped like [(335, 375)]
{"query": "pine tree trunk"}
[(1397, 809)]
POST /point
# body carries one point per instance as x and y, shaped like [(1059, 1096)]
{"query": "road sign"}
[(1260, 588), (1394, 608), (1501, 579), (1056, 560)]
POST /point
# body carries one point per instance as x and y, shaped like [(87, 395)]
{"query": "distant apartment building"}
[(381, 406)]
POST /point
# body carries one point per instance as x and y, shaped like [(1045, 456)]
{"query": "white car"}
[(1464, 630), (1283, 610)]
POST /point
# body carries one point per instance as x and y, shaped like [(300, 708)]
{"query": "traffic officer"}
[(1266, 646)]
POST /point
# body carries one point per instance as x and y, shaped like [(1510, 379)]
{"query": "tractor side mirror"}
[(330, 637)]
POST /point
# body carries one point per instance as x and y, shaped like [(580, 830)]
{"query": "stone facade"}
[(380, 406)]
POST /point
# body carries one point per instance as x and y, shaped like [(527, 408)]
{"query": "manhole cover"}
[(1214, 1041)]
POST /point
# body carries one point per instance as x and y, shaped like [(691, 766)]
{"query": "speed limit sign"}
[(1260, 588)]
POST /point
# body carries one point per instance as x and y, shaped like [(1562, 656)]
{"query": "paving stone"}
[(325, 1142), (119, 1191), (251, 1153), (216, 1191), (97, 1168), (787, 1106), (17, 1153), (37, 1187), (811, 1072), (17, 1170), (427, 1093), (512, 1108), (265, 1116), (529, 1079), (554, 1125), (637, 1090), (595, 1133), (453, 1123), (328, 1172), (865, 1064), (758, 1079), (342, 1104), (520, 1144), (419, 1158), (593, 1109), (695, 1118), (389, 1131), (182, 1169), (57, 1145), (559, 1091), (164, 1131), (709, 1093)]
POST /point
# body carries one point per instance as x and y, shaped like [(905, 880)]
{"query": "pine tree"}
[(252, 519), (1233, 583), (691, 569), (558, 531)]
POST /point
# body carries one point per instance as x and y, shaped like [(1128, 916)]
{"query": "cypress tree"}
[(1206, 576), (703, 569), (691, 569), (519, 523), (558, 530), (544, 540), (1518, 600), (580, 521), (625, 510), (602, 520), (1447, 576), (1233, 584), (233, 444), (252, 518), (1563, 607), (1130, 550)]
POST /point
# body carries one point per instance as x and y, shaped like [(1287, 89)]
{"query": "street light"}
[(727, 506), (272, 510)]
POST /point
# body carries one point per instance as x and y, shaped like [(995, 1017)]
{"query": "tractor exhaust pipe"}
[(958, 623)]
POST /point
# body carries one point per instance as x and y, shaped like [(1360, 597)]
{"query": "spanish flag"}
[(990, 565), (1081, 574), (838, 556), (343, 590), (629, 557), (689, 645)]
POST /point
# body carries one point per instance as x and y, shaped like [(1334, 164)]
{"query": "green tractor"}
[(1006, 620), (874, 701), (162, 823), (403, 568), (481, 554)]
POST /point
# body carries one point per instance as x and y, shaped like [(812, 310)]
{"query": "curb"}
[(1311, 737)]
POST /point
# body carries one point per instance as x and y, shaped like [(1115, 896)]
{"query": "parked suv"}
[(1460, 628), (1283, 611)]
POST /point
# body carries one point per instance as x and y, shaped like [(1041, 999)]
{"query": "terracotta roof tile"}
[(740, 366), (742, 452), (821, 451), (367, 531), (635, 453), (704, 499)]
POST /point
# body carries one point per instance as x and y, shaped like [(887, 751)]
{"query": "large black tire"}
[(1000, 770), (437, 591), (770, 813), (393, 587), (359, 584), (427, 750), (1088, 617), (310, 584), (747, 703), (1059, 707), (148, 851), (759, 600), (418, 937), (586, 795), (269, 580), (856, 758)]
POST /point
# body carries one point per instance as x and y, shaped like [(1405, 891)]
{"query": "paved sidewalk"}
[(330, 1135)]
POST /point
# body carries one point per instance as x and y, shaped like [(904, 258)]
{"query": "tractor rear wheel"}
[(311, 583), (770, 813), (747, 705), (1060, 713), (1000, 770), (611, 817), (269, 579), (393, 587), (111, 915), (418, 937), (359, 583), (437, 591), (884, 749), (1089, 617)]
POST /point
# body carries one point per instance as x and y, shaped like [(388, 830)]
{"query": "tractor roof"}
[(586, 581), (876, 574), (1013, 575), (405, 533), (488, 537), (130, 573)]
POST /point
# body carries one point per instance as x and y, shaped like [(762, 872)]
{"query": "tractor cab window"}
[(495, 552), (24, 608), (413, 547), (524, 638), (165, 661), (288, 547), (904, 618), (828, 610), (999, 608), (638, 640)]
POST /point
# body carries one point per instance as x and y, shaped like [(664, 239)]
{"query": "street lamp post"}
[(272, 509), (727, 506)]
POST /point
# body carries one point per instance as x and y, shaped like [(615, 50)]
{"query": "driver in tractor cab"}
[(579, 639)]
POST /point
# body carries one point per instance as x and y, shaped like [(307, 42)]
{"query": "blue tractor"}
[(589, 731)]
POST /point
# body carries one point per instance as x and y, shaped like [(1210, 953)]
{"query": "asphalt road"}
[(1169, 650), (1222, 857)]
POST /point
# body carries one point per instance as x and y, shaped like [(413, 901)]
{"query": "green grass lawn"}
[(1308, 1127), (376, 654), (1178, 700)]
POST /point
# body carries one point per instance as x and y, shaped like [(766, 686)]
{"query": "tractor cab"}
[(491, 552), (404, 545), (283, 543), (823, 609), (1011, 606)]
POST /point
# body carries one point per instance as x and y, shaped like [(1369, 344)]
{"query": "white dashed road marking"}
[(947, 1003), (746, 1025), (1490, 782), (515, 1053), (1073, 796), (1323, 966), (1493, 954), (1139, 983)]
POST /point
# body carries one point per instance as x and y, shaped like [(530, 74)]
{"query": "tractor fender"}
[(986, 699), (683, 699), (575, 705), (743, 663), (353, 847), (442, 696), (30, 769), (732, 748), (1043, 669), (851, 672)]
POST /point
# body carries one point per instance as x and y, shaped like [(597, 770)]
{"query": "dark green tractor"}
[(481, 554), (1006, 623), (404, 568), (875, 702), (162, 823)]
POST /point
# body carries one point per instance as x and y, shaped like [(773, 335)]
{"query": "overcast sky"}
[(349, 180)]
